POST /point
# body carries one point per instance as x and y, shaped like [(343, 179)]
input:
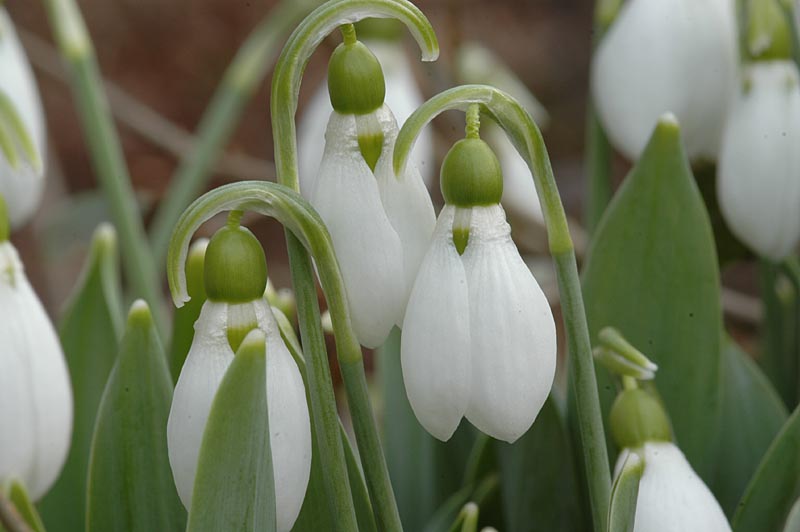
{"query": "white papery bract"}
[(660, 56), (478, 337), (403, 96), (380, 223), (759, 166), (35, 391), (672, 498), (289, 425), (22, 187)]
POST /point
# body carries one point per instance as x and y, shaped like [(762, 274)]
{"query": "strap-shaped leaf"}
[(776, 484), (622, 512), (130, 482), (234, 489), (652, 273), (90, 329)]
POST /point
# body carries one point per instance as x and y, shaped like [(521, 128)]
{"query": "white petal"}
[(311, 138), (35, 392), (512, 329), (435, 341), (289, 425), (406, 202), (672, 497), (368, 249), (22, 188), (759, 167), (660, 56), (206, 363), (519, 192)]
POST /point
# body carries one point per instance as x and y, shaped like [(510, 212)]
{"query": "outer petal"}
[(519, 192), (23, 187), (311, 138), (368, 248), (289, 424), (759, 167), (435, 342), (406, 202), (672, 497), (35, 391), (667, 55), (512, 329)]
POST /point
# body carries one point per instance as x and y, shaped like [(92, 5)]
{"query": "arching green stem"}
[(526, 137), (285, 92)]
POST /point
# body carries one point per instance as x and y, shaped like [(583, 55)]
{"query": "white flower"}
[(380, 223), (35, 391), (22, 187), (478, 337), (667, 55), (759, 167), (672, 498), (205, 366), (403, 96)]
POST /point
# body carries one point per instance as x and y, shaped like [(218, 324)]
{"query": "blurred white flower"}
[(759, 167), (672, 498), (660, 56), (35, 390), (22, 186)]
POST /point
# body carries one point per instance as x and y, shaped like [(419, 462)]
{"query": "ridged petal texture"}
[(660, 56), (35, 391), (403, 96), (22, 187), (477, 326), (290, 429), (379, 224), (759, 166), (672, 498)]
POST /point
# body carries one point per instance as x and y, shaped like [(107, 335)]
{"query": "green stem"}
[(106, 151), (779, 357), (239, 83), (524, 133)]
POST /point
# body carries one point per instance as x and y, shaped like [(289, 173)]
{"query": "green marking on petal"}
[(18, 132), (371, 147)]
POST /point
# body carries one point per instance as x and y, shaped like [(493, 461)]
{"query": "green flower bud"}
[(471, 175), (637, 417), (235, 266), (355, 77), (768, 34)]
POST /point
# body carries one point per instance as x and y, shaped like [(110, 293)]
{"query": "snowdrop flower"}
[(379, 223), (21, 183), (672, 497), (660, 56), (759, 168), (235, 278), (478, 336), (35, 390)]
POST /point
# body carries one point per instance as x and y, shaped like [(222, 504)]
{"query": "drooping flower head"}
[(235, 279), (35, 391), (478, 336), (379, 222)]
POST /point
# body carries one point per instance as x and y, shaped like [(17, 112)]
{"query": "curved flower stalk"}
[(660, 56), (478, 336), (527, 138), (35, 391), (759, 166), (22, 128), (235, 279)]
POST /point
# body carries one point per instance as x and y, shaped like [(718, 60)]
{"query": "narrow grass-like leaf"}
[(130, 486), (622, 512), (185, 316), (234, 489), (90, 329), (775, 486)]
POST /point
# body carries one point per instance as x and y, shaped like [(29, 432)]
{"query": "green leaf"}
[(538, 478), (752, 414), (18, 497), (776, 484), (90, 329), (622, 511), (130, 487), (234, 488), (185, 316), (652, 273)]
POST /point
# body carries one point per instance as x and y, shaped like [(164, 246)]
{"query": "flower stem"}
[(239, 83), (106, 152)]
